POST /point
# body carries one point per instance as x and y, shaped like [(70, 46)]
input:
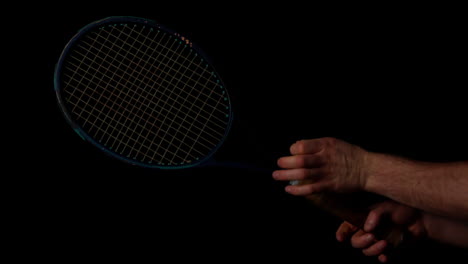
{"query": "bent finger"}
[(344, 231), (362, 239), (376, 249), (375, 215)]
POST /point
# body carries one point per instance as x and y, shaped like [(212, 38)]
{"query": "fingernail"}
[(288, 188), (339, 237), (275, 174), (369, 237), (294, 148)]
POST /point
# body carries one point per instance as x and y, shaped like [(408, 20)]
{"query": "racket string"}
[(126, 116), (169, 50), (168, 97), (129, 127), (198, 137), (109, 99), (120, 132), (162, 79), (149, 116), (171, 107), (81, 62), (169, 59), (196, 118)]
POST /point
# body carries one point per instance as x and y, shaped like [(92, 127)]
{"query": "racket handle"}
[(354, 209)]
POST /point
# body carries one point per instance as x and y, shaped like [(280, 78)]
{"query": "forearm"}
[(439, 188), (446, 230)]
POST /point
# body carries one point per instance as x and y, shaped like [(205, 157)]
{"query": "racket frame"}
[(77, 128)]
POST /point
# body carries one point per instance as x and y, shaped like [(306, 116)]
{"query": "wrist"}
[(384, 171), (370, 171)]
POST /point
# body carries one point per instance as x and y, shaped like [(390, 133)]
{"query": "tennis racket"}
[(142, 93), (148, 96)]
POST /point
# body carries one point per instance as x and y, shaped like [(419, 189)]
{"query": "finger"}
[(403, 215), (306, 189), (374, 217), (309, 146), (383, 258), (344, 231), (362, 239), (300, 161), (295, 174), (417, 230), (376, 249)]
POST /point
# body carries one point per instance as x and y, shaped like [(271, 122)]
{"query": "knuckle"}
[(311, 188), (343, 227), (323, 158), (330, 141), (325, 171), (301, 161), (350, 227), (304, 174), (416, 231)]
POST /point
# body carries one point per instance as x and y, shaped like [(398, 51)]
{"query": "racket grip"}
[(354, 209)]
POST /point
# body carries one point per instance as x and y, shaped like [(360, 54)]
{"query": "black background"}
[(388, 80)]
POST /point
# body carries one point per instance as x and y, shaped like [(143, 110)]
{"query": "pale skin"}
[(438, 190)]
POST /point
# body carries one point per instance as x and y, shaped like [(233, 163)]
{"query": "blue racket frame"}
[(77, 128)]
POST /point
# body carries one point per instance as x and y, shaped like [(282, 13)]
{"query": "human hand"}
[(366, 240), (324, 164)]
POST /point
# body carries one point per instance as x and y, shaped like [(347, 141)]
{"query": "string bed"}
[(145, 94)]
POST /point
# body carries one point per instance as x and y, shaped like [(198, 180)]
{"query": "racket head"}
[(142, 93)]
